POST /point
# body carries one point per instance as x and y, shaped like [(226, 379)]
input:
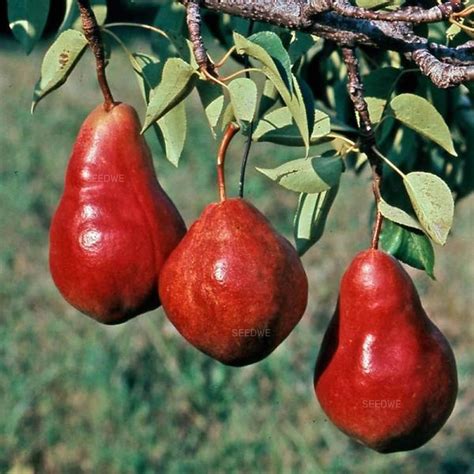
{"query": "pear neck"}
[(229, 134)]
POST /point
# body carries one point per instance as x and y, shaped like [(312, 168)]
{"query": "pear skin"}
[(233, 287), (385, 374), (114, 226)]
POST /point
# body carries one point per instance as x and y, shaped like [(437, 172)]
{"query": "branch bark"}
[(338, 21), (355, 87)]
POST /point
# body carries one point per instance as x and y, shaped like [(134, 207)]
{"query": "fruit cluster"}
[(235, 289)]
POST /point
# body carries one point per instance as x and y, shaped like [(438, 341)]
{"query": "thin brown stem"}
[(376, 182), (355, 88), (93, 35), (229, 134), (144, 26), (224, 58)]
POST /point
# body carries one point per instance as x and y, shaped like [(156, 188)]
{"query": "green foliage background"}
[(79, 397)]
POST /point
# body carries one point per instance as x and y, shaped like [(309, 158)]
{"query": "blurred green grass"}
[(79, 397)]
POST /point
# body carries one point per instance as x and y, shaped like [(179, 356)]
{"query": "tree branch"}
[(367, 145), (338, 21), (414, 15), (193, 19), (441, 74)]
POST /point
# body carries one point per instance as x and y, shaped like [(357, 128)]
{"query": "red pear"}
[(385, 375), (115, 226), (233, 287)]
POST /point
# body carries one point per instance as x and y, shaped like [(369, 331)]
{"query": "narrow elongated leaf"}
[(432, 202), (305, 108), (176, 84), (278, 127), (272, 45), (171, 128), (58, 63), (294, 94), (307, 175), (395, 214), (243, 96), (270, 67), (417, 113), (27, 19), (410, 246), (311, 216)]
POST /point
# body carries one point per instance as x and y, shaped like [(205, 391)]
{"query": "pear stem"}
[(229, 133), (376, 179), (93, 36), (355, 88)]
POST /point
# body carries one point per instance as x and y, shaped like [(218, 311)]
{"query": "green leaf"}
[(27, 19), (294, 95), (307, 175), (72, 18), (301, 44), (378, 86), (171, 18), (433, 204), (395, 214), (379, 83), (227, 116), (171, 128), (272, 45), (243, 96), (278, 127), (213, 102), (148, 70), (452, 32), (176, 84), (332, 146), (58, 63), (376, 108), (311, 216), (269, 98), (373, 4), (411, 247), (305, 101), (417, 113)]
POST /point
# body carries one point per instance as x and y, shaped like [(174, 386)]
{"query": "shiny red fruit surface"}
[(233, 287), (385, 375), (114, 226)]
